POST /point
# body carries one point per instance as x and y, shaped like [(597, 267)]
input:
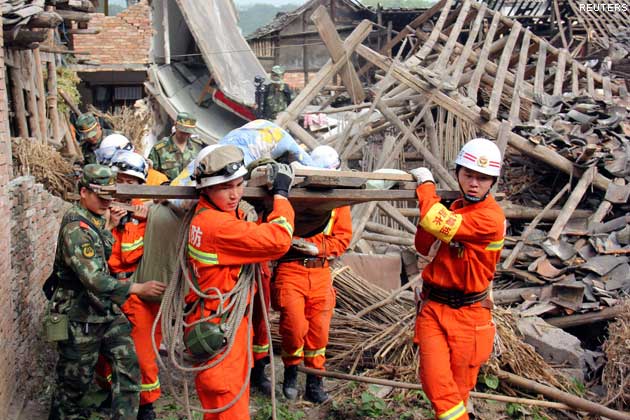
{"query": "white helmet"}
[(110, 145), (325, 157), (480, 155), (130, 163), (217, 164)]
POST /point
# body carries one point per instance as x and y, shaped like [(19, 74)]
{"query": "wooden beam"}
[(497, 89), (41, 92), (335, 47), (458, 104), (572, 203), (520, 72), (19, 105), (431, 160), (507, 263), (324, 75)]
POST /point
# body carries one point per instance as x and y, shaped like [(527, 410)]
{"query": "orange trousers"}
[(219, 385), (454, 343), (305, 298), (141, 315), (259, 328)]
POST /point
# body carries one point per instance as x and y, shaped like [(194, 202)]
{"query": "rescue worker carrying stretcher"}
[(303, 292), (454, 328), (127, 251), (220, 246)]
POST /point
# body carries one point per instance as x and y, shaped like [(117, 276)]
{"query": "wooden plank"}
[(572, 203), (606, 87), (329, 35), (590, 83), (539, 81), (556, 9), (324, 75), (520, 72), (462, 60), (443, 59), (575, 79), (427, 47), (473, 86), (497, 89), (53, 114), (507, 263), (560, 68), (457, 104)]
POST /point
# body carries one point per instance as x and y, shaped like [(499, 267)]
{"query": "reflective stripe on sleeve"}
[(202, 257), (282, 221), (130, 246), (495, 246)]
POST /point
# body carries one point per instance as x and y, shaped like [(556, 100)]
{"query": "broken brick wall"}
[(6, 171), (123, 39), (26, 361), (29, 220)]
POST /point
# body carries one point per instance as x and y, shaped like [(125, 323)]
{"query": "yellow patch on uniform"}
[(266, 136), (441, 222), (87, 250), (276, 133), (159, 146)]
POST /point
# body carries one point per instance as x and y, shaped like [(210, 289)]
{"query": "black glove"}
[(280, 177)]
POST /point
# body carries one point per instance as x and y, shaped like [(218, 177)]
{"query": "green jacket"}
[(87, 292), (88, 149), (169, 159)]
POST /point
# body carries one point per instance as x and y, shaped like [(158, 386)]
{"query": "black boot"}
[(289, 387), (146, 412), (258, 379), (315, 389)]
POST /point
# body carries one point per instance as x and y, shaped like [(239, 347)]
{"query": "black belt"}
[(453, 298), (308, 262)]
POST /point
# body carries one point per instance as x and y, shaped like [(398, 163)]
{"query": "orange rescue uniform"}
[(454, 343), (305, 296), (219, 244), (127, 251), (261, 338)]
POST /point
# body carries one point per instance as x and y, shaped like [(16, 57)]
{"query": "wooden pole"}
[(530, 228), (577, 403), (52, 98), (585, 319), (41, 93), (31, 98), (68, 100), (167, 37), (572, 202), (17, 91), (407, 385)]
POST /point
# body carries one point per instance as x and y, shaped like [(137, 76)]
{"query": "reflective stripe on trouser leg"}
[(141, 315), (259, 328), (453, 413), (219, 385)]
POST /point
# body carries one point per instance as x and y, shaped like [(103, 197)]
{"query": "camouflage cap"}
[(87, 125), (186, 122), (279, 70), (97, 175)]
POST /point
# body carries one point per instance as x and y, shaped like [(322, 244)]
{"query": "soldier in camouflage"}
[(90, 135), (171, 154), (91, 299), (278, 94)]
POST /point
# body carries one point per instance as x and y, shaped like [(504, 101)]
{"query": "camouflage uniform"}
[(278, 94), (277, 99), (86, 125), (91, 298), (169, 159), (88, 149)]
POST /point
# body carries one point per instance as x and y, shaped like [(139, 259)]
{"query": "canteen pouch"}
[(55, 327)]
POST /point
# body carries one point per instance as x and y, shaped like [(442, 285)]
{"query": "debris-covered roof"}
[(283, 19)]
